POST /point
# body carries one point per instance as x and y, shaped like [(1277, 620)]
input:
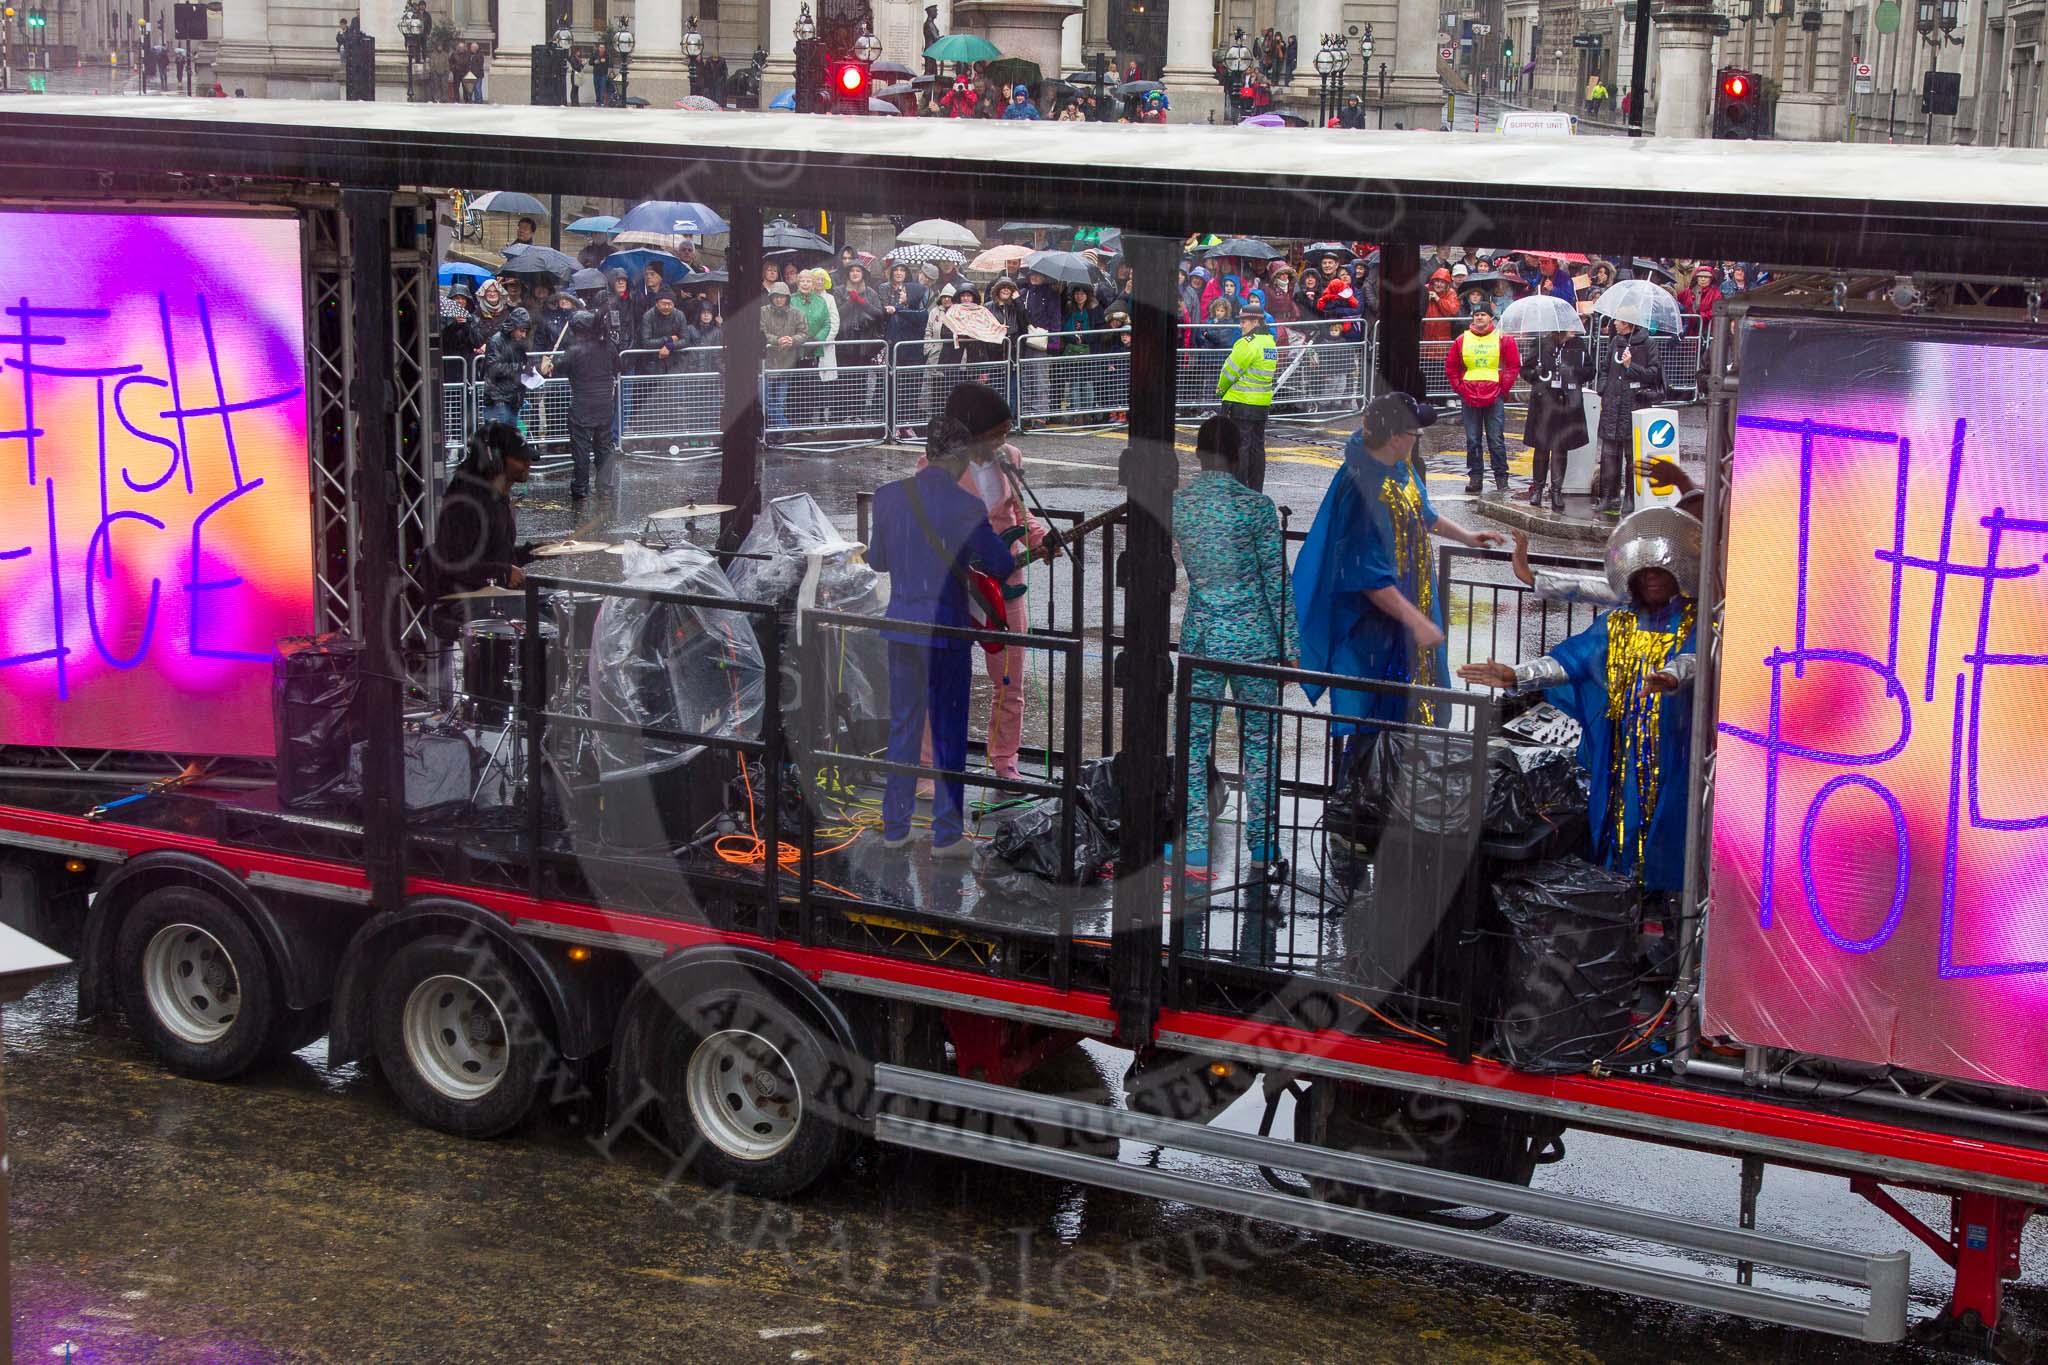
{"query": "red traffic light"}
[(1736, 86), (852, 80)]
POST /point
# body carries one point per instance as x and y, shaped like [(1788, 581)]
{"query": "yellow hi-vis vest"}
[(1249, 373), (1482, 357)]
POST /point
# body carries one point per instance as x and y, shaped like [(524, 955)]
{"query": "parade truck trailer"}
[(628, 861)]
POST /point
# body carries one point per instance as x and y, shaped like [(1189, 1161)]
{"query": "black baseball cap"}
[(1396, 414)]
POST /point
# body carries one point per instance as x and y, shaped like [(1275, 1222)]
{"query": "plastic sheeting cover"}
[(667, 667)]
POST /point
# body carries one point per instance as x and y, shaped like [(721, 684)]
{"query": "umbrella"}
[(876, 106), (1091, 78), (1263, 121), (698, 103), (603, 222), (937, 232), (1341, 250), (1540, 313), (1648, 267), (976, 322), (998, 259), (786, 101), (1243, 247), (1067, 267), (897, 90), (461, 270), (1491, 277), (1108, 239), (782, 235), (703, 279), (673, 216), (636, 261), (1008, 228), (508, 201), (1567, 257), (1649, 306), (545, 260), (895, 69), (1129, 88), (919, 255), (587, 278), (514, 248), (963, 47), (1015, 71)]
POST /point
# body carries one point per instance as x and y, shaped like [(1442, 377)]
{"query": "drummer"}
[(475, 542)]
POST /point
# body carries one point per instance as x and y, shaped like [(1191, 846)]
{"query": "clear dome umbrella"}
[(1540, 314), (1649, 306)]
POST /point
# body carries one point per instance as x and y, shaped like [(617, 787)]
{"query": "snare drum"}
[(490, 665)]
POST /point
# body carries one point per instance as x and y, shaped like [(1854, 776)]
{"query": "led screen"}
[(155, 522), (1880, 840)]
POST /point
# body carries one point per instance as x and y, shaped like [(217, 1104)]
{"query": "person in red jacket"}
[(1700, 298), (1483, 365)]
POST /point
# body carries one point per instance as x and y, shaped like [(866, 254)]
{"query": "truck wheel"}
[(743, 1094), (194, 983), (457, 1037)]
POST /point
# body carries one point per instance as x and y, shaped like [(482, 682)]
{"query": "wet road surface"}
[(297, 1216)]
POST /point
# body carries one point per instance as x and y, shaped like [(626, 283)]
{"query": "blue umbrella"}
[(462, 270), (634, 263), (671, 216), (604, 222), (786, 100)]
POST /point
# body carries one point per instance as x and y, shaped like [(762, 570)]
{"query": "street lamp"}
[(413, 26), (1237, 59), (867, 47), (622, 43), (1331, 59), (1364, 36), (805, 30), (693, 49)]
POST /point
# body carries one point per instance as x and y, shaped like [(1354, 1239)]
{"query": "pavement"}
[(296, 1216)]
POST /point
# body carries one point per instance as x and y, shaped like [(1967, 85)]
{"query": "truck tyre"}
[(743, 1084), (458, 1037), (194, 983)]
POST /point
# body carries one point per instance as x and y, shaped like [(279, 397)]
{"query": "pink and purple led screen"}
[(1880, 840), (155, 521)]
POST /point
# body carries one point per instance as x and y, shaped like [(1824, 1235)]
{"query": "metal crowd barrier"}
[(846, 388)]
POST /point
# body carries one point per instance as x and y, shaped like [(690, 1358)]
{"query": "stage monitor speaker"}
[(313, 706), (666, 803), (550, 75)]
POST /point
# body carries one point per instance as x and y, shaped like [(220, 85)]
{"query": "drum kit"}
[(492, 677)]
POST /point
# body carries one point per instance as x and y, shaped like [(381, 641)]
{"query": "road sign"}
[(1887, 17), (1482, 29), (1449, 54), (1585, 40), (1539, 123), (1863, 71)]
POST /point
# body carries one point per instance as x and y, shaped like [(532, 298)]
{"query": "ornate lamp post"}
[(413, 25), (693, 49), (1237, 59), (1331, 59), (622, 43)]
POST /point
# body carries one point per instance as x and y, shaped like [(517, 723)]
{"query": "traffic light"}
[(1738, 105), (849, 82), (1507, 50)]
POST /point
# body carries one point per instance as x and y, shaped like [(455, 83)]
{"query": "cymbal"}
[(570, 547), (489, 590), (690, 511)]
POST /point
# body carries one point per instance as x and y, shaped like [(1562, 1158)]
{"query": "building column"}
[(1314, 19), (244, 47), (1070, 45), (1685, 70), (521, 24), (659, 73), (781, 44), (1415, 92), (1190, 73)]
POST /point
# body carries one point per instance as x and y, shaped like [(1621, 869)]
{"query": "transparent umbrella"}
[(938, 232), (1540, 313), (1649, 306)]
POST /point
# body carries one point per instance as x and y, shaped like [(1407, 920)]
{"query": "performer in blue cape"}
[(1624, 679), (1365, 590)]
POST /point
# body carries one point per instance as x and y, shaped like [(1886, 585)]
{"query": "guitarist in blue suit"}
[(927, 531)]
